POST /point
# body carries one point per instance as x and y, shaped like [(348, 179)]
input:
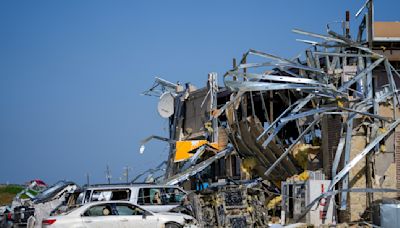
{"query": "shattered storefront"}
[(313, 138)]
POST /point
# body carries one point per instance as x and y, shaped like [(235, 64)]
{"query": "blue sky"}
[(71, 72)]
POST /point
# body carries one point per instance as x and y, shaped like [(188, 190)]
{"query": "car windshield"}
[(46, 193), (71, 210), (79, 200)]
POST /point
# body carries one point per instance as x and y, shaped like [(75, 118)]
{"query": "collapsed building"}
[(315, 137)]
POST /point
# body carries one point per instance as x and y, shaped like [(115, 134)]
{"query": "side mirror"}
[(144, 215)]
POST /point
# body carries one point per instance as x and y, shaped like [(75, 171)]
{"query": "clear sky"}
[(71, 72)]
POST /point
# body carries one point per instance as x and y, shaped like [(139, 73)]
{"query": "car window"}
[(101, 195), (99, 210), (70, 210), (173, 195), (51, 191), (141, 198), (124, 194), (128, 209), (160, 196), (79, 199), (115, 194), (150, 196), (87, 196)]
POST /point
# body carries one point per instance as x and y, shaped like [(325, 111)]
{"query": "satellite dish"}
[(166, 105)]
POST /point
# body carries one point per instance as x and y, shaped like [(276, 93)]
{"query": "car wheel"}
[(173, 225)]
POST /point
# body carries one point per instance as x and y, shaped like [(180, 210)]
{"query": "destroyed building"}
[(319, 132)]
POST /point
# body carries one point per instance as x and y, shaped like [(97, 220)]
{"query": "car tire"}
[(173, 225)]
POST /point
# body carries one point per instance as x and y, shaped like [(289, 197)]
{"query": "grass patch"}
[(8, 192)]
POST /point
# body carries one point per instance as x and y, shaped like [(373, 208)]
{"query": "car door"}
[(131, 215), (100, 216)]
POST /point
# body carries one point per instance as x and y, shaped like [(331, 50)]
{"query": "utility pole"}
[(108, 175), (126, 173), (87, 179), (347, 25), (370, 23)]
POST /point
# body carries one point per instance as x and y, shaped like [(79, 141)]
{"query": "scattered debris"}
[(35, 208), (231, 206), (320, 130)]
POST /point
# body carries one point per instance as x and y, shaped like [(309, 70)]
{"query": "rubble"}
[(332, 112), (231, 206)]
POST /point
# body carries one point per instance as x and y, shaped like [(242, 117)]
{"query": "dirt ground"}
[(8, 192)]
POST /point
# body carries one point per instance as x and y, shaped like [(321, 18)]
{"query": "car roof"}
[(109, 201), (116, 186), (85, 206)]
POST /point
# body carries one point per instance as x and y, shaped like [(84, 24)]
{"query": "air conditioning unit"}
[(296, 195), (322, 211)]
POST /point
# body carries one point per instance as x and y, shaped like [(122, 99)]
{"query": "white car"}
[(120, 214), (156, 198)]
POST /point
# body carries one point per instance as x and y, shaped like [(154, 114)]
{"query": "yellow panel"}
[(214, 145), (184, 148)]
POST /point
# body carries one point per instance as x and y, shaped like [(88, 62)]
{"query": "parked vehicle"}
[(72, 200), (54, 191), (120, 214), (36, 202), (156, 198)]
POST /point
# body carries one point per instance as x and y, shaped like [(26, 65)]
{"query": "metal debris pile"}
[(232, 206), (329, 111)]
